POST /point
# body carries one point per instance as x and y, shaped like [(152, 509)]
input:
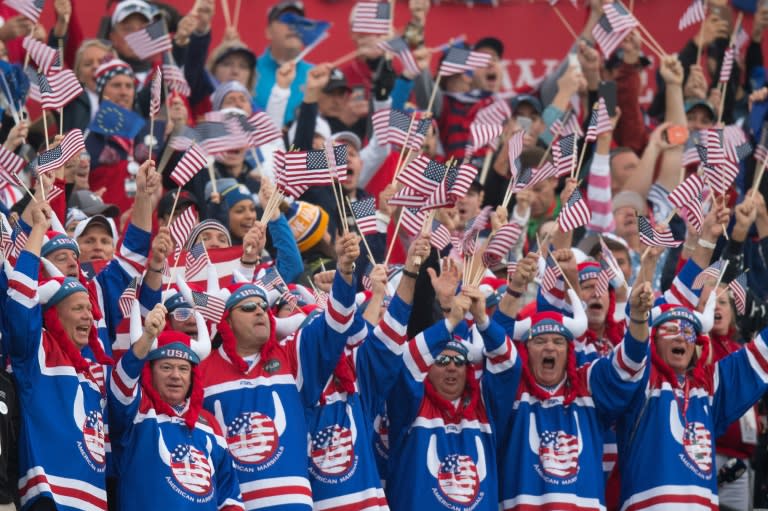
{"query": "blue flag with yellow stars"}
[(308, 30), (114, 120)]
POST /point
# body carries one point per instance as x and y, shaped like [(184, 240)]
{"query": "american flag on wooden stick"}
[(441, 236), (128, 297), (72, 145), (496, 113), (46, 58), (603, 280), (599, 122), (652, 237), (180, 228), (190, 164), (692, 15), (150, 40), (210, 307), (501, 243), (364, 212), (58, 88), (459, 60), (413, 220), (399, 47), (459, 180), (566, 125), (564, 153), (30, 9), (371, 18), (311, 167), (687, 196), (196, 261), (174, 76), (530, 177), (219, 137), (574, 213), (156, 93), (482, 135), (738, 288), (611, 264), (727, 65), (612, 28), (514, 150), (712, 272), (552, 274)]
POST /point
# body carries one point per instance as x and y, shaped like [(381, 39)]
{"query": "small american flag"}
[(364, 212), (511, 268), (574, 213), (71, 146), (311, 167), (691, 151), (761, 150), (712, 147), (439, 198), (441, 236), (150, 40), (483, 134), (551, 275), (599, 122), (413, 220), (273, 280), (460, 180), (738, 288), (11, 163), (6, 243), (692, 15), (30, 9), (568, 124), (501, 243), (157, 86), (46, 58), (564, 154), (127, 297), (321, 299), (58, 89), (529, 178), (407, 197), (603, 280), (712, 272), (399, 47), (211, 307), (392, 126), (727, 65), (611, 265), (721, 177), (196, 261), (459, 60), (612, 27), (514, 150), (54, 192), (181, 226), (189, 165), (371, 18), (263, 129), (19, 242), (687, 196), (652, 237), (219, 137), (495, 113), (174, 76), (414, 175), (737, 147)]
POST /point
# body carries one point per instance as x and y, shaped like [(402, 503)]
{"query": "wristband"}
[(515, 294), (639, 321), (411, 274), (246, 263), (706, 244), (154, 270)]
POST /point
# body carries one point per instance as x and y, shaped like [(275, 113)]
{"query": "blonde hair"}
[(89, 43)]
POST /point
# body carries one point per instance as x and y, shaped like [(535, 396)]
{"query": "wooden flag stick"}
[(566, 24), (722, 274), (434, 94), (151, 134), (581, 158), (225, 10), (212, 175), (651, 43), (173, 270), (236, 18), (563, 274), (487, 165), (405, 145), (362, 236), (758, 178), (173, 207), (164, 158), (699, 45), (394, 237), (341, 60), (45, 130)]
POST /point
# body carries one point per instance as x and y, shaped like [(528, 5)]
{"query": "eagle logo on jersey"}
[(458, 476), (189, 465), (91, 424), (253, 437), (333, 447), (695, 438), (558, 451)]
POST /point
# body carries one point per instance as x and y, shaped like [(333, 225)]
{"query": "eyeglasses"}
[(182, 313), (252, 306), (444, 360)]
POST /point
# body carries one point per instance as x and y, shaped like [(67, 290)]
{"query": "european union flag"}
[(113, 120), (14, 85), (308, 30)]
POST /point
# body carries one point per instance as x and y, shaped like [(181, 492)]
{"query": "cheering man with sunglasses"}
[(258, 389), (440, 435)]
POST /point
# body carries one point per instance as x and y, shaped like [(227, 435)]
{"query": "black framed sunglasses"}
[(444, 360), (252, 306)]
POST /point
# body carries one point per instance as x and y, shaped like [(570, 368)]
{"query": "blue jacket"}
[(266, 67)]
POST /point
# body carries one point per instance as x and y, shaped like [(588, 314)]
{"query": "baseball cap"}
[(279, 8), (348, 137), (527, 98), (105, 222), (336, 81), (128, 7), (491, 43), (166, 203), (91, 204), (690, 105), (236, 48)]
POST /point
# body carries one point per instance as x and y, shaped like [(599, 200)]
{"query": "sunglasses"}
[(252, 306), (444, 360), (181, 314)]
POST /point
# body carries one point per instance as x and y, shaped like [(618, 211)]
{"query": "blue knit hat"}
[(58, 241), (243, 291), (589, 270), (235, 194), (456, 345), (69, 286), (549, 322), (225, 88), (174, 344)]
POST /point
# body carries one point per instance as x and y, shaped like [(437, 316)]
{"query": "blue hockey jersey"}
[(342, 466), (261, 410), (163, 464), (62, 445)]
